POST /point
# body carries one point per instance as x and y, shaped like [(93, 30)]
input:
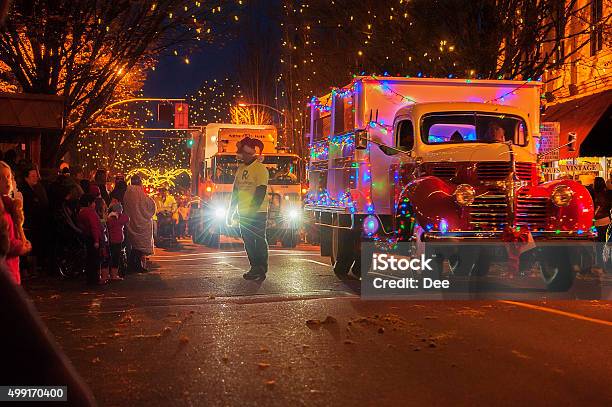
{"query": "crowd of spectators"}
[(52, 217)]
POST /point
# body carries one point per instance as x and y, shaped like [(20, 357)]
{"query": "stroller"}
[(165, 230)]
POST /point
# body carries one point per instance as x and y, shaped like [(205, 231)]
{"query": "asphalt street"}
[(193, 332)]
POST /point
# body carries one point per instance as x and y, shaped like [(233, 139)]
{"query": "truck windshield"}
[(473, 127), (283, 169)]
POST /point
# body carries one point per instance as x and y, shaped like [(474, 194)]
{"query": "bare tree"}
[(81, 49)]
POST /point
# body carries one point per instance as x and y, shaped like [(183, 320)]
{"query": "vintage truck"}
[(438, 161), (214, 163)]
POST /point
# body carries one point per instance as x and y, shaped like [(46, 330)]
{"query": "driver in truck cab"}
[(250, 197), (496, 132)]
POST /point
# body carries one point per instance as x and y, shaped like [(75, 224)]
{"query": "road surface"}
[(192, 332)]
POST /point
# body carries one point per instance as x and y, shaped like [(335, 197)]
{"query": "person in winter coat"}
[(118, 192), (18, 245), (116, 222), (90, 225), (100, 180), (140, 208)]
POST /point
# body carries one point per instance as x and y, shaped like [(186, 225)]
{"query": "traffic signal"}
[(190, 142)]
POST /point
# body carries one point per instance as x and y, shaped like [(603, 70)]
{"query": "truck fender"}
[(432, 204), (578, 215)]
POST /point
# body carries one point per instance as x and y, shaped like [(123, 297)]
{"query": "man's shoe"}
[(254, 276)]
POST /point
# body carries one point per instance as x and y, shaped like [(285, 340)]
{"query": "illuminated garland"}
[(156, 178)]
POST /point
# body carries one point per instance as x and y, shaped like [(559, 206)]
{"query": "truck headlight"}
[(464, 194), (220, 213), (562, 195)]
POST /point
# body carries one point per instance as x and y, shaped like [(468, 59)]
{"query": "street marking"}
[(284, 252), (559, 312), (158, 259), (317, 262)]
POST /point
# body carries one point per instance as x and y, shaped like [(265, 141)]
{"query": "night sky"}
[(173, 78)]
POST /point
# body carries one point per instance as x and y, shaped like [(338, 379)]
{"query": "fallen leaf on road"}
[(95, 360), (329, 320), (211, 297), (313, 322), (263, 365), (381, 330), (166, 330), (520, 355), (147, 336), (184, 340), (174, 314), (270, 383), (349, 342), (263, 349), (430, 317), (55, 296), (127, 319), (225, 359)]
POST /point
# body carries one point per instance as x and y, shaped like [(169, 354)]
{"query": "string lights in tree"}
[(213, 100)]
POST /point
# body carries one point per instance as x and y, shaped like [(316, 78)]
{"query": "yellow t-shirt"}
[(248, 178)]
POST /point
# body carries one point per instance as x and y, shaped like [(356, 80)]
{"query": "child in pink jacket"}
[(115, 223)]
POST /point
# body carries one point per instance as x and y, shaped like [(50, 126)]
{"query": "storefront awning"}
[(590, 118), (27, 112)]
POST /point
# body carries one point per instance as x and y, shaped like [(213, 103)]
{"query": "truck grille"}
[(489, 212), (531, 212), (444, 171), (525, 171), (499, 170)]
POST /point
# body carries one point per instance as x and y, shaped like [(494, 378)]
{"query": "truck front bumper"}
[(471, 236)]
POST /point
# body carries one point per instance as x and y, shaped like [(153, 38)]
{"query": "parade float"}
[(441, 161)]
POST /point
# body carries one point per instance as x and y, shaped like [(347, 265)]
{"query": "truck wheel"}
[(482, 264), (325, 234), (290, 239), (555, 268), (342, 252), (461, 263)]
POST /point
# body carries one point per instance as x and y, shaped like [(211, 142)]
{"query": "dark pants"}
[(253, 232), (93, 262), (116, 250)]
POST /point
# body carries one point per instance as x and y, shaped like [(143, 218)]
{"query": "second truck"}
[(214, 164)]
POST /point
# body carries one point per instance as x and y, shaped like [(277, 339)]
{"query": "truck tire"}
[(482, 264), (325, 234), (555, 268), (461, 263), (342, 256)]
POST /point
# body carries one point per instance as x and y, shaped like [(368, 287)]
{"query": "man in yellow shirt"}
[(250, 196)]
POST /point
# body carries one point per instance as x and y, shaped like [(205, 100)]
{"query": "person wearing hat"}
[(116, 223), (250, 198)]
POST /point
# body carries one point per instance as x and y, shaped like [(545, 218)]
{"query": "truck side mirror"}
[(388, 150), (361, 140), (571, 141)]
